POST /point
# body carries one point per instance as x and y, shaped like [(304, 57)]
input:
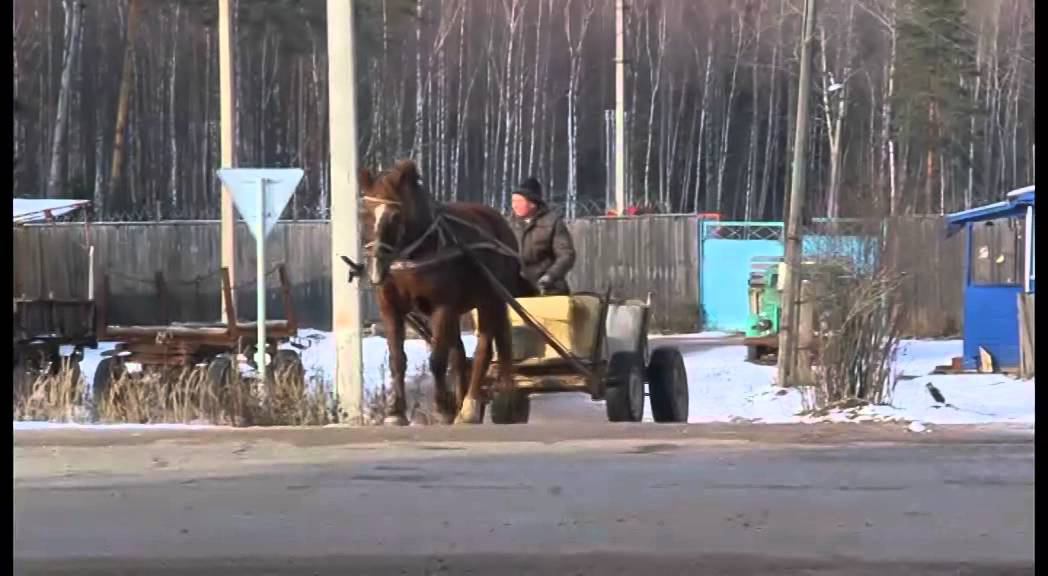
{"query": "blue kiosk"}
[(991, 313)]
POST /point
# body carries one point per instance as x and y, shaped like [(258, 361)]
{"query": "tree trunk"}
[(56, 180), (172, 180), (116, 169), (706, 87), (726, 133)]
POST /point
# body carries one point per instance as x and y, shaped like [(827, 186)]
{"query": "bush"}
[(857, 336)]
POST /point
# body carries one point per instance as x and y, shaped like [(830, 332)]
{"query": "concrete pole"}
[(787, 331), (345, 235), (228, 131), (620, 106)]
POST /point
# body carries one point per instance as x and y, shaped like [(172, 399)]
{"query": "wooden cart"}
[(592, 344)]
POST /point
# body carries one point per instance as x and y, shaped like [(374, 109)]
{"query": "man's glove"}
[(544, 283)]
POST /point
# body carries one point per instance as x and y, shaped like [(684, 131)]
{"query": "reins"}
[(445, 239)]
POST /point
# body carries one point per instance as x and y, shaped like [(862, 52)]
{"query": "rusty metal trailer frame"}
[(187, 344)]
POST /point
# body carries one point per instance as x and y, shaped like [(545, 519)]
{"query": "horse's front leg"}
[(396, 412), (445, 337), (472, 409)]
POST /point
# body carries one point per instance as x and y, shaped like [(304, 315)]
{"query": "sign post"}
[(261, 194)]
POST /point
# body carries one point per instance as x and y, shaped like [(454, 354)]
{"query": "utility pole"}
[(620, 107), (345, 234), (788, 332), (227, 120)]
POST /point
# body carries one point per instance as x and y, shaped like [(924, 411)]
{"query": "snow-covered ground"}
[(726, 388)]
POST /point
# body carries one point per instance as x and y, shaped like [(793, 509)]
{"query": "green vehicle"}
[(765, 299)]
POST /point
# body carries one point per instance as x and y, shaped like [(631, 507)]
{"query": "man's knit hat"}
[(531, 189)]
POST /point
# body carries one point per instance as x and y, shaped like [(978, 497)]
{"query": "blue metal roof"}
[(1014, 206)]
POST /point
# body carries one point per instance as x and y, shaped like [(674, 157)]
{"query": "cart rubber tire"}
[(288, 363), (108, 370), (668, 386), (624, 396), (753, 353), (512, 407), (22, 380), (220, 372)]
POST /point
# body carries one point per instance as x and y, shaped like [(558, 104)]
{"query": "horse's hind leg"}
[(445, 338), (458, 370), (504, 346)]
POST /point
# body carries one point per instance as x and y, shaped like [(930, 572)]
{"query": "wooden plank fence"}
[(632, 256)]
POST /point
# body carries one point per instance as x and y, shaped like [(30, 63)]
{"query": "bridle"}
[(376, 245), (446, 238)]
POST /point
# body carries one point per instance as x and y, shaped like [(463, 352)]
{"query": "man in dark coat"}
[(545, 243)]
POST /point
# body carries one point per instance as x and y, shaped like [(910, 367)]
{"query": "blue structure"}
[(991, 314), (726, 250)]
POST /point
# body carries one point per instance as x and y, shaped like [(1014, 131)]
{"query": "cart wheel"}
[(624, 398), (220, 372), (668, 386), (23, 382), (512, 407), (288, 365), (108, 370)]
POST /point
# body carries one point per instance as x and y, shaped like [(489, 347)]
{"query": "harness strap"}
[(449, 246)]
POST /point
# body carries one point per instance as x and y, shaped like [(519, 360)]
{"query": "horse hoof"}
[(395, 420), (471, 412), (446, 418)]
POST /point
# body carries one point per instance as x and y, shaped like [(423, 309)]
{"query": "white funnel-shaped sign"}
[(277, 185)]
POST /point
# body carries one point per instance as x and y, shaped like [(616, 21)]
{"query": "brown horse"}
[(424, 257)]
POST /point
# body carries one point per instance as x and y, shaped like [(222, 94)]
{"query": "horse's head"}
[(398, 209)]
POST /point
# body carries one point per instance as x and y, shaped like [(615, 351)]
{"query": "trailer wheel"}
[(23, 381), (286, 367), (511, 407), (220, 372), (668, 386), (624, 396), (753, 353), (108, 370)]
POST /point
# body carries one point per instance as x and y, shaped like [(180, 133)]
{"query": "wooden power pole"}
[(345, 235), (227, 120), (788, 333), (620, 107)]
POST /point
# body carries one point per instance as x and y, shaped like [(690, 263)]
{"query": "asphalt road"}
[(533, 499)]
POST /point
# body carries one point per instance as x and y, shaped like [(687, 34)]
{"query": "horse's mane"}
[(404, 185)]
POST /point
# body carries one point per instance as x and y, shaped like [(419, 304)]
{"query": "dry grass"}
[(180, 395), (418, 389), (187, 395), (57, 397)]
